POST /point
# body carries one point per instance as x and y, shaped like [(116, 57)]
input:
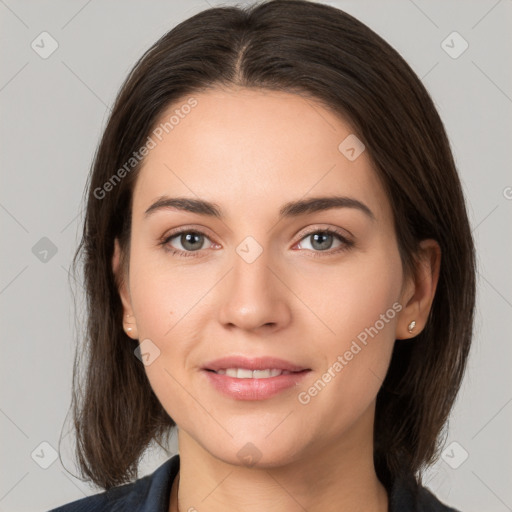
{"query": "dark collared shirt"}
[(152, 492)]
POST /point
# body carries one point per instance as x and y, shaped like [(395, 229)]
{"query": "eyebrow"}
[(290, 209)]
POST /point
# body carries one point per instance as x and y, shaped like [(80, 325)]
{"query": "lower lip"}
[(254, 389)]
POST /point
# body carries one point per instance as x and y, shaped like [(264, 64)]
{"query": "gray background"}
[(53, 111)]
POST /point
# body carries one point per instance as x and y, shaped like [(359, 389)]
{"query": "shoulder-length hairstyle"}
[(323, 53)]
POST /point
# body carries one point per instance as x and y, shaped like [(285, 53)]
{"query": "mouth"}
[(243, 367), (243, 378), (246, 373)]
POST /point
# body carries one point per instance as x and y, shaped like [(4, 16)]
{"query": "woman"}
[(309, 348)]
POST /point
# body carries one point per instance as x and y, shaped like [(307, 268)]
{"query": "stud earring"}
[(411, 326), (128, 329)]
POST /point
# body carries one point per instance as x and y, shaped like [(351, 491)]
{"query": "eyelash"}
[(347, 244)]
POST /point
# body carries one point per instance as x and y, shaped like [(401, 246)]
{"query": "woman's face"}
[(258, 283)]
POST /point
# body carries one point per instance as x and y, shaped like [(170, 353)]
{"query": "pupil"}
[(322, 244), (189, 241)]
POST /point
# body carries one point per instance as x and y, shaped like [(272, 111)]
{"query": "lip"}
[(253, 363), (253, 389)]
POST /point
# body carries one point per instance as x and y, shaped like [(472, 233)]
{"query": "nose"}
[(254, 296)]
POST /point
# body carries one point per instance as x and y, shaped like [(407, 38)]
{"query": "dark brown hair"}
[(323, 53)]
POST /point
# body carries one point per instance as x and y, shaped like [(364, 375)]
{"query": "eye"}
[(191, 241), (321, 240)]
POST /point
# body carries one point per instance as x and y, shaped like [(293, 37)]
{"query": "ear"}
[(419, 292), (129, 323)]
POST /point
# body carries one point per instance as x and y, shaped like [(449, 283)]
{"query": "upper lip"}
[(252, 363)]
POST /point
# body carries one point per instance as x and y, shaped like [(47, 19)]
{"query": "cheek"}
[(163, 300), (359, 310), (162, 294), (344, 299)]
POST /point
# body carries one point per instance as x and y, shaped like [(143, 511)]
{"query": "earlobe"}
[(129, 324), (421, 292)]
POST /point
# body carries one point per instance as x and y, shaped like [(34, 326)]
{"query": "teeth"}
[(243, 373)]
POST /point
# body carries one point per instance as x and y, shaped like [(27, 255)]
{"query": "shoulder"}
[(429, 502), (408, 496), (150, 492)]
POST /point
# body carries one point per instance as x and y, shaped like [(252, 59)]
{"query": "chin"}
[(257, 451)]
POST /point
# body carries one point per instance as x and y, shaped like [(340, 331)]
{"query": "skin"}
[(287, 303)]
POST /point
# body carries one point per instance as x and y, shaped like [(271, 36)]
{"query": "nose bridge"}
[(251, 268), (251, 276), (253, 295)]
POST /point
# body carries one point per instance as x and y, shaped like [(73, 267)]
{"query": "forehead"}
[(251, 148)]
